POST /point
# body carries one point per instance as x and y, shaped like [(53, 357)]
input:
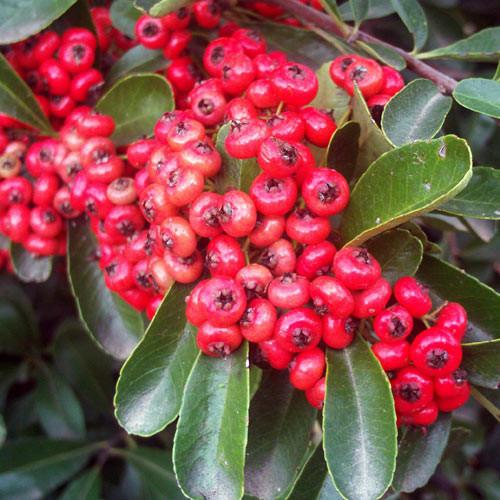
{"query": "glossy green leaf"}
[(234, 173), (342, 151), (123, 15), (480, 95), (480, 199), (211, 436), (418, 232), (315, 483), (359, 423), (398, 252), (376, 9), (481, 360), (330, 96), (151, 384), (420, 453), (403, 183), (162, 7), (32, 467), (372, 142), (58, 409), (384, 54), (88, 369), (112, 323), (155, 468), (87, 486), (416, 112), (279, 437), (413, 16), (359, 9), (24, 18), (482, 303), (136, 60), (29, 267), (136, 102), (481, 46)]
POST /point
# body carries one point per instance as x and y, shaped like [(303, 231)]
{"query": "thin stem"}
[(485, 403), (445, 83)]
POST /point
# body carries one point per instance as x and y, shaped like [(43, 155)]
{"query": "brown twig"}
[(445, 83)]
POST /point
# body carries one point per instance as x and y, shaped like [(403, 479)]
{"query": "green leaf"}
[(398, 252), (58, 409), (480, 95), (160, 8), (151, 384), (24, 18), (359, 9), (481, 46), (482, 303), (372, 142), (331, 8), (112, 323), (342, 151), (413, 16), (384, 54), (136, 60), (420, 453), (403, 183), (32, 467), (496, 76), (123, 15), (377, 9), (359, 423), (211, 436), (77, 15), (88, 369), (155, 468), (28, 267), (279, 437), (480, 198), (3, 431), (87, 486), (416, 112), (136, 102), (234, 173), (480, 359), (330, 96), (315, 483)]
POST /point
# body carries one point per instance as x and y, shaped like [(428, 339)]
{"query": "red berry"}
[(76, 56), (237, 214), (202, 156), (393, 325), (272, 353), (316, 394), (307, 368), (425, 416), (177, 20), (138, 152), (258, 320), (266, 64), (296, 84), (224, 256), (453, 385), (298, 330), (118, 274), (393, 81), (207, 13), (366, 74), (306, 228), (372, 300), (287, 126), (86, 85), (151, 32), (356, 268), (267, 230), (16, 190), (184, 131), (218, 341), (412, 390), (39, 245), (154, 204), (240, 109), (252, 41), (208, 104), (194, 313), (123, 221), (254, 278), (453, 317), (316, 260), (392, 356), (44, 189), (450, 404), (237, 73), (95, 124), (184, 269), (330, 296), (436, 352), (184, 185), (339, 66), (338, 333), (413, 296), (204, 215), (216, 51), (122, 191), (262, 93), (176, 235), (319, 126), (55, 77), (288, 291), (46, 222), (279, 257), (273, 196), (177, 44), (245, 137), (278, 158), (16, 223), (182, 74)]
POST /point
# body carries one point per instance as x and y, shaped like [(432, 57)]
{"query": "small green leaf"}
[(162, 7), (136, 102), (402, 183), (384, 54), (211, 436), (359, 9), (413, 16), (16, 98), (155, 468), (398, 252), (359, 423), (480, 359), (482, 303), (480, 199), (24, 18), (58, 409), (32, 467), (136, 60), (481, 46), (87, 486), (112, 323), (330, 96), (372, 142), (342, 151), (123, 15), (480, 95), (28, 267), (416, 112), (279, 437), (88, 369), (420, 453), (234, 174), (377, 9), (151, 384)]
